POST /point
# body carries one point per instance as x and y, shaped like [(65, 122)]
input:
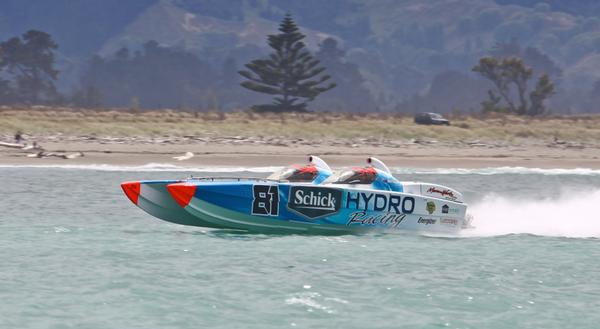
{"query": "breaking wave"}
[(496, 171), (152, 167), (570, 215), (165, 167)]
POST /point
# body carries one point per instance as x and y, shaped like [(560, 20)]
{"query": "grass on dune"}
[(50, 121)]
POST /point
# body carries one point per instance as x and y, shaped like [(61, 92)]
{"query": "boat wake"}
[(570, 215), (167, 167), (497, 171)]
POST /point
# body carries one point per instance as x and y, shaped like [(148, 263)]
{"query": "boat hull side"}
[(273, 207), (155, 199)]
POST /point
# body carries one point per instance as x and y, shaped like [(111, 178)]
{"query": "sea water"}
[(75, 253)]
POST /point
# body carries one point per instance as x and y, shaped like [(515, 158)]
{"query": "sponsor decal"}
[(448, 194), (362, 218), (314, 202), (449, 221), (447, 210), (388, 203), (430, 207), (426, 221), (266, 200)]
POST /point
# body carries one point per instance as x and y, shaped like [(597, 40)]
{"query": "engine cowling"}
[(433, 190)]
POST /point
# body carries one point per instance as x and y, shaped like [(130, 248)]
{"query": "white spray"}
[(571, 215)]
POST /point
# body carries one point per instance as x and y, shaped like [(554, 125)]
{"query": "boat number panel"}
[(265, 200)]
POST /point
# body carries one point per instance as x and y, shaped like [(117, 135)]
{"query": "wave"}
[(151, 167), (570, 215), (164, 167), (496, 171)]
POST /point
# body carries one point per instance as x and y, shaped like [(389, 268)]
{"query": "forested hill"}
[(392, 55)]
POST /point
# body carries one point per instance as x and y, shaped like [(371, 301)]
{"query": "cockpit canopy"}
[(377, 178), (355, 175), (297, 173)]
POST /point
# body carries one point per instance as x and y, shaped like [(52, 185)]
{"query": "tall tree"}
[(88, 97), (30, 61), (490, 68), (350, 94), (543, 89), (535, 58), (290, 71), (511, 71), (153, 77), (6, 92), (591, 98)]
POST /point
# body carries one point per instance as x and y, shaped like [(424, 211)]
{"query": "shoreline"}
[(246, 139), (230, 155)]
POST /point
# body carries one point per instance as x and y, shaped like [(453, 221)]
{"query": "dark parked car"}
[(429, 118)]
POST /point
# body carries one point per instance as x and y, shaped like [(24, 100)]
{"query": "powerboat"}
[(153, 197), (308, 199)]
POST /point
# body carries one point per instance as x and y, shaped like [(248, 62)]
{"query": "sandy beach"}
[(121, 139), (239, 154)]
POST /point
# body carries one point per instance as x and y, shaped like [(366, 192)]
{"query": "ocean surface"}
[(76, 253)]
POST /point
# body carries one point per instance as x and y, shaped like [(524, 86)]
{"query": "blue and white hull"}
[(269, 207), (305, 199)]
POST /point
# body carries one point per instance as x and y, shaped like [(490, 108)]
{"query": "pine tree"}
[(291, 72), (30, 60)]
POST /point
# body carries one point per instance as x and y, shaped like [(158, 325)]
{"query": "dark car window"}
[(430, 118)]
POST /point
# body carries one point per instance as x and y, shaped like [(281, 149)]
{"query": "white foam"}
[(308, 299), (497, 171), (571, 215), (165, 167), (152, 167)]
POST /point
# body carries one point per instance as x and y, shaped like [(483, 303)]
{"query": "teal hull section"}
[(155, 199)]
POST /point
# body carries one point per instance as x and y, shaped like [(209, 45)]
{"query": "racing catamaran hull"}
[(305, 199), (271, 207), (154, 198)]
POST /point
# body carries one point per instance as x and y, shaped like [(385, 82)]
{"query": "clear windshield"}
[(304, 174), (351, 177)]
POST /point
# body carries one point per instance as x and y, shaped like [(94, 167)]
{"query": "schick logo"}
[(313, 202)]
